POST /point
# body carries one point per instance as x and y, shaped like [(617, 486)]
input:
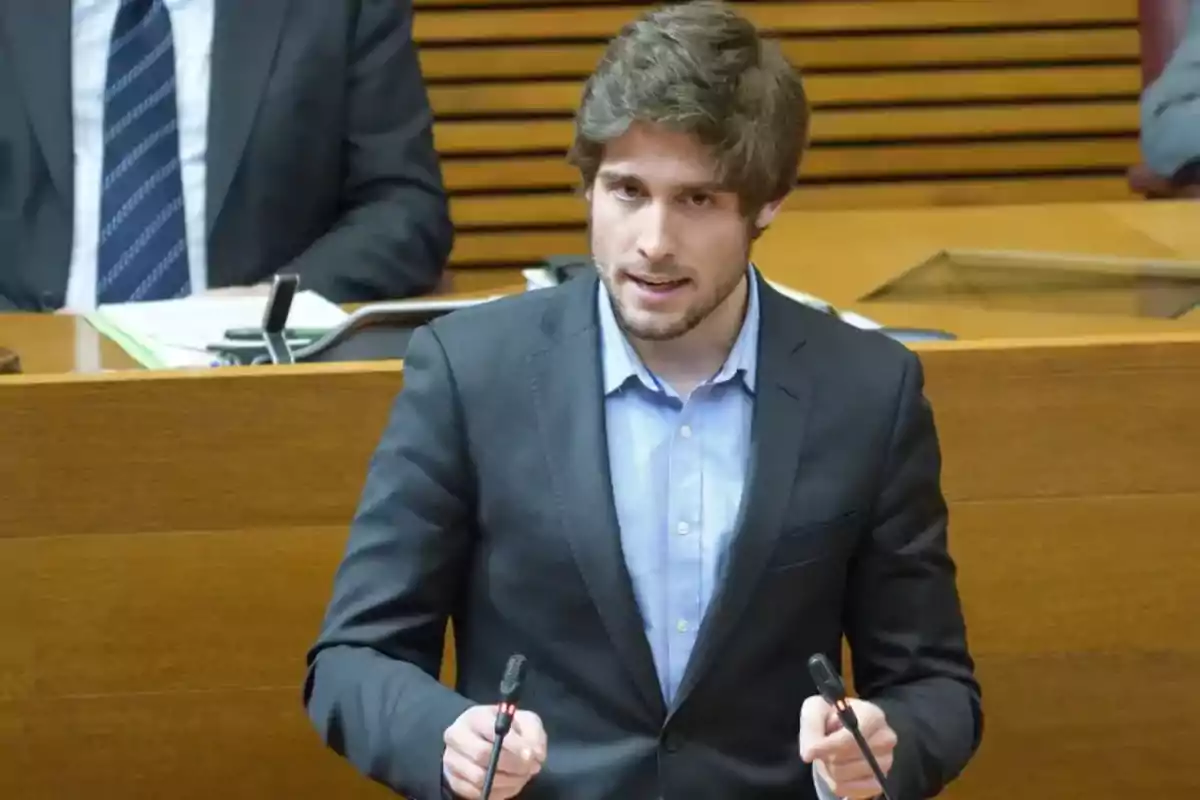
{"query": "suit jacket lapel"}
[(569, 402), (39, 38), (245, 39), (782, 403)]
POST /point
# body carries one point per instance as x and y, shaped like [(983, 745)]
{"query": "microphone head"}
[(514, 678), (826, 678)]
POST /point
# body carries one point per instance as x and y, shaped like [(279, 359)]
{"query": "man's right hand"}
[(469, 747)]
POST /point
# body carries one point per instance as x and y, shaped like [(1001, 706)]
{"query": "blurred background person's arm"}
[(1170, 110), (394, 234)]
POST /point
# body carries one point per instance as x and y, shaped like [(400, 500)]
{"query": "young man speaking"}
[(666, 485)]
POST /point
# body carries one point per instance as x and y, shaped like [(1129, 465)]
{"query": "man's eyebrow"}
[(713, 186), (610, 174)]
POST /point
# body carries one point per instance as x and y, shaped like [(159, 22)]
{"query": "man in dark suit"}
[(157, 148), (667, 487)]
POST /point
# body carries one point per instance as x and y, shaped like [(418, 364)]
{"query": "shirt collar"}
[(622, 364)]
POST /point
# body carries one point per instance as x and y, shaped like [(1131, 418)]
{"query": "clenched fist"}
[(469, 747), (830, 747)]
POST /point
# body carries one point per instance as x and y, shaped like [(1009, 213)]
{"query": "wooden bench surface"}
[(915, 102)]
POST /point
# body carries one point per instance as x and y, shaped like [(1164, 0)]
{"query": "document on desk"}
[(167, 334)]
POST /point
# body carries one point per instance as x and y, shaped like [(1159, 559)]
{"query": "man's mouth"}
[(657, 282)]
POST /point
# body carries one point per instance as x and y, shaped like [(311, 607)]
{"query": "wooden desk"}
[(54, 344), (836, 255), (167, 540), (167, 543), (842, 255)]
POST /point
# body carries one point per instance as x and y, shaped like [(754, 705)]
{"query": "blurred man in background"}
[(152, 149), (1171, 111)]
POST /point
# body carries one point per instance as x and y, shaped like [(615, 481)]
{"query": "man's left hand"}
[(830, 748)]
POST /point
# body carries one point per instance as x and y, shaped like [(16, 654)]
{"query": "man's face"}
[(671, 245)]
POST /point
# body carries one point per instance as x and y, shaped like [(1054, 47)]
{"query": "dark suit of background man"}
[(667, 488), (157, 148)]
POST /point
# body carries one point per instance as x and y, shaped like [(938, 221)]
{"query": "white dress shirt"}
[(91, 27)]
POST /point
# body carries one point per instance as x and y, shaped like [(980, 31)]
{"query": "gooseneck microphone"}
[(510, 695), (834, 692)]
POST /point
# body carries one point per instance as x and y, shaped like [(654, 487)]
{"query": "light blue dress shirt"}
[(678, 468)]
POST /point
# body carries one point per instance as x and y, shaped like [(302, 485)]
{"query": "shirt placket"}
[(685, 531)]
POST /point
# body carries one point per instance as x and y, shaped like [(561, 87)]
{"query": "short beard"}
[(671, 330), (693, 318)]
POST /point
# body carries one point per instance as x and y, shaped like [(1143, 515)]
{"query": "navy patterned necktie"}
[(143, 243)]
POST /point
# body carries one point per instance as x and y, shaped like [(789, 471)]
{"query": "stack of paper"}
[(177, 333)]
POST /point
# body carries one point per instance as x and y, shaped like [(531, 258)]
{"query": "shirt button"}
[(683, 528), (686, 431), (682, 625)]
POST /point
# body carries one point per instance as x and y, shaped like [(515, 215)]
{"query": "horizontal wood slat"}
[(866, 89), (915, 102), (601, 22), (460, 137), (547, 172), (490, 61), (472, 213), (507, 245)]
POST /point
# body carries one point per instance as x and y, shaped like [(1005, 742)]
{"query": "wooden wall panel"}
[(229, 744), (154, 646), (1086, 418), (932, 102), (179, 451), (171, 611)]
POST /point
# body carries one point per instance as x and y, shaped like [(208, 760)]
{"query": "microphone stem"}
[(866, 751), (490, 776)]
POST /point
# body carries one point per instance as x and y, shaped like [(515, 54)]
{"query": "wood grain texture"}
[(914, 101), (155, 648), (483, 214), (547, 59), (1106, 418), (874, 88), (49, 344), (815, 16), (457, 138), (142, 451), (843, 255), (823, 163), (232, 744)]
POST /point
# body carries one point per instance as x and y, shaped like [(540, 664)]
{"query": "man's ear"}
[(766, 215)]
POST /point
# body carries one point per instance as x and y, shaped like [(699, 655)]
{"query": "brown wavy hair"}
[(702, 69)]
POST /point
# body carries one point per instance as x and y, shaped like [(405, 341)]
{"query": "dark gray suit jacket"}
[(320, 151), (489, 502)]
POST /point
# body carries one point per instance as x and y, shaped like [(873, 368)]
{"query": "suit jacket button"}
[(671, 742)]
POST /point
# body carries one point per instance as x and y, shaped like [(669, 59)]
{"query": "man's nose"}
[(655, 239)]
